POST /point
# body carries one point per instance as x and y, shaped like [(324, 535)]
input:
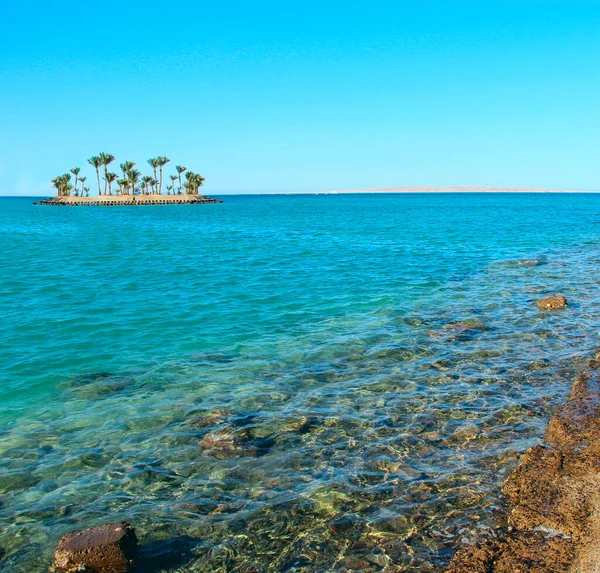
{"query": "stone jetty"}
[(129, 200)]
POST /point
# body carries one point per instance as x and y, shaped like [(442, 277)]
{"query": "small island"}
[(131, 188)]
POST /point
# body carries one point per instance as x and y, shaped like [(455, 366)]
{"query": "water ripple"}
[(283, 384)]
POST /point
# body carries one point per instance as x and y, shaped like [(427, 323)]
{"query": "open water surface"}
[(283, 383)]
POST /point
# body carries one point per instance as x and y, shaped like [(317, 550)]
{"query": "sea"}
[(284, 383)]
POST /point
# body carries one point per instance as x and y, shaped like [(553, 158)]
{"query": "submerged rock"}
[(305, 424), (219, 444), (354, 564), (458, 329), (529, 262), (552, 302), (341, 525), (228, 444), (109, 548)]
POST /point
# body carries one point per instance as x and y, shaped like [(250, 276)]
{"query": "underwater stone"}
[(552, 302), (204, 420), (455, 330), (354, 564), (106, 549), (529, 262), (219, 444), (341, 525)]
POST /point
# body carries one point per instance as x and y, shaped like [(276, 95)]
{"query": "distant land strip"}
[(434, 189)]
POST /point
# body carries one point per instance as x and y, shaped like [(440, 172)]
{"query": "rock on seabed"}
[(109, 548), (552, 302)]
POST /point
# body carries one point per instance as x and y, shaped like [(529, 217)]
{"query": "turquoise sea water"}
[(279, 383)]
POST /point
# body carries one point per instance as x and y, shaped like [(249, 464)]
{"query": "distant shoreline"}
[(457, 189)]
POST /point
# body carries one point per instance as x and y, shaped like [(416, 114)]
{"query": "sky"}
[(304, 96)]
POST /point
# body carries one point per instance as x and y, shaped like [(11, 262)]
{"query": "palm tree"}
[(162, 161), (133, 176), (75, 171), (110, 179), (123, 186), (180, 170), (106, 159), (193, 182), (189, 182), (82, 180), (96, 162), (56, 184), (62, 183), (127, 166), (87, 191), (173, 178), (153, 184), (146, 180), (154, 163), (169, 189), (66, 182)]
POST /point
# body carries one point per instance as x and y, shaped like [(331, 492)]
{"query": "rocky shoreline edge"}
[(553, 497), (123, 200)]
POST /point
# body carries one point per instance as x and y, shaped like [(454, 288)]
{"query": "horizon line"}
[(426, 189)]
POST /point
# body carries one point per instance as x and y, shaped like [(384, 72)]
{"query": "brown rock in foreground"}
[(106, 549), (552, 302), (553, 497)]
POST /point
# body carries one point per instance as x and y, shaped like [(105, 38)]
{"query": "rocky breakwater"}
[(553, 497), (128, 200)]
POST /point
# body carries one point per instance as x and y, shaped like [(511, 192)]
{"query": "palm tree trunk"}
[(98, 176), (105, 179), (160, 184)]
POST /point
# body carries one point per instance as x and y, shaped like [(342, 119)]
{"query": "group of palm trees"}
[(132, 181)]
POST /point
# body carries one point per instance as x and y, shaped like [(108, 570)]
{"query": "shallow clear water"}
[(279, 383)]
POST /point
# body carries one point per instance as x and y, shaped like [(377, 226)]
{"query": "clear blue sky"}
[(289, 96)]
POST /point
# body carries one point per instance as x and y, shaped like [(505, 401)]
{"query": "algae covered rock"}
[(552, 303), (109, 548)]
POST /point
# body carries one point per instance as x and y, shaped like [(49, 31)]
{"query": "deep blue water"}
[(232, 378)]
